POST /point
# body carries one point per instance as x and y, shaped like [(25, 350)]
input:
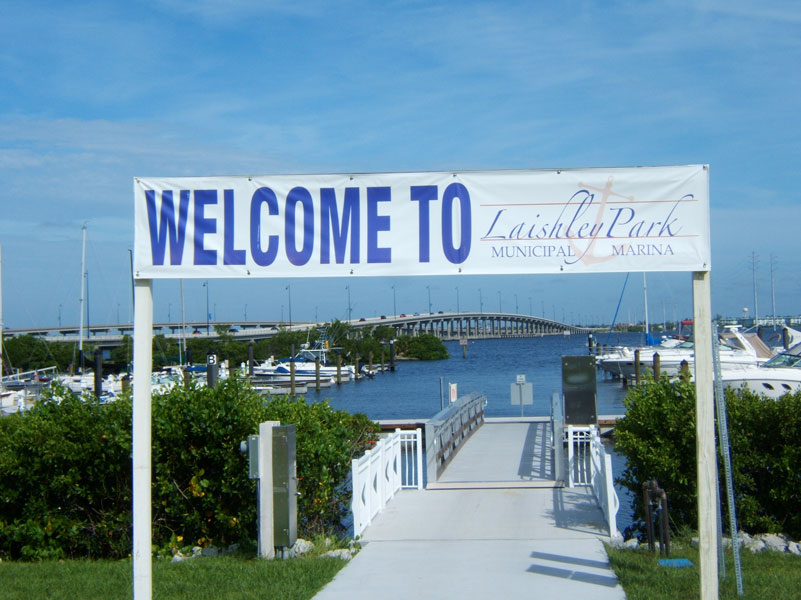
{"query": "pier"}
[(501, 519)]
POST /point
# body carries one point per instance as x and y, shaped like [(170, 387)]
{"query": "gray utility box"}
[(579, 390), (285, 487)]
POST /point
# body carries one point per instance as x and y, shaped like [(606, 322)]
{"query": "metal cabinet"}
[(579, 390)]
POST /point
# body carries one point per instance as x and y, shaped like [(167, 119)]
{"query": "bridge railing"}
[(395, 462), (449, 429), (588, 464)]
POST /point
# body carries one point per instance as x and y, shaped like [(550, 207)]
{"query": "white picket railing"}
[(589, 464), (395, 462)]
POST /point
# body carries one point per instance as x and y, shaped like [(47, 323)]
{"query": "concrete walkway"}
[(468, 541)]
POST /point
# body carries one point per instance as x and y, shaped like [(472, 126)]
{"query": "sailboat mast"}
[(645, 300), (83, 290), (1, 316), (772, 291), (183, 325)]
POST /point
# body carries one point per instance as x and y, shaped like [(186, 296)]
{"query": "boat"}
[(776, 377), (738, 350)]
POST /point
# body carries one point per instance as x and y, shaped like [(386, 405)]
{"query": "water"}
[(412, 391)]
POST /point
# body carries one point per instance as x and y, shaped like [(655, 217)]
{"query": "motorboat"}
[(738, 350), (776, 377)]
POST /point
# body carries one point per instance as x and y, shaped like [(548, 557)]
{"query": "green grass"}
[(206, 578), (769, 575)]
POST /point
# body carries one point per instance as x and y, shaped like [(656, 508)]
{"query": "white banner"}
[(492, 222)]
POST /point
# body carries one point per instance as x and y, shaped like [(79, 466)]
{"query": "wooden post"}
[(705, 436), (657, 366), (141, 440), (317, 374), (339, 369), (637, 367)]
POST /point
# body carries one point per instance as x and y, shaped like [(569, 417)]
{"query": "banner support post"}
[(141, 440), (705, 435)]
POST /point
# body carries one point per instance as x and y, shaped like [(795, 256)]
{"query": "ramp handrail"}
[(395, 462), (589, 464), (449, 429)]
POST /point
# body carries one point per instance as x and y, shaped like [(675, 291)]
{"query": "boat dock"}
[(494, 524)]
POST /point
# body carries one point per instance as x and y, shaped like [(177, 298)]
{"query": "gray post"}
[(251, 361), (212, 368)]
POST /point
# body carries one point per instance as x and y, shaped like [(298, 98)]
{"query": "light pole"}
[(59, 314), (457, 300), (208, 314), (530, 307), (246, 312), (169, 312), (347, 287), (500, 310), (289, 293), (429, 299), (394, 305), (480, 302), (517, 308)]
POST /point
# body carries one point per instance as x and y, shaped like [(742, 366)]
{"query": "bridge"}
[(505, 508), (445, 325)]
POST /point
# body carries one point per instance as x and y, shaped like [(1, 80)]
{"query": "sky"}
[(93, 94)]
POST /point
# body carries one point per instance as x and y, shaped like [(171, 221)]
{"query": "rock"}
[(342, 554), (301, 547), (231, 549), (616, 542), (755, 545), (744, 536), (774, 543), (631, 544), (794, 548), (211, 551)]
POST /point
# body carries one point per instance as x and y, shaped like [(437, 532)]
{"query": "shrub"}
[(424, 347), (657, 436), (65, 470), (327, 441), (65, 479)]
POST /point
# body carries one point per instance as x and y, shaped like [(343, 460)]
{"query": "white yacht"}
[(778, 376)]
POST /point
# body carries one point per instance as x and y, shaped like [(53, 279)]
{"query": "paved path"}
[(471, 541)]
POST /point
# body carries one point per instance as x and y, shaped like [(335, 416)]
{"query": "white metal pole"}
[(705, 435), (142, 367), (645, 304)]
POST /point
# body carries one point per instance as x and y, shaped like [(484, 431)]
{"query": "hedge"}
[(657, 436), (65, 470)]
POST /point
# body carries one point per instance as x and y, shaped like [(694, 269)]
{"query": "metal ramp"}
[(503, 453)]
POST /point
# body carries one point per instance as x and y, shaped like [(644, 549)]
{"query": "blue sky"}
[(95, 93)]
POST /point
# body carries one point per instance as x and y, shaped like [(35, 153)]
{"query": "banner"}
[(490, 222)]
